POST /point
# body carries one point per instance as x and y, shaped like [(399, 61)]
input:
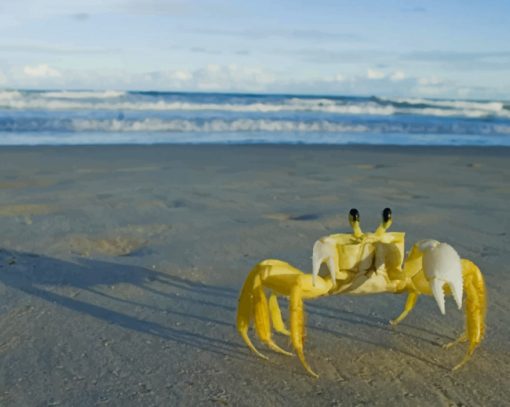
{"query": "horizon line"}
[(251, 93)]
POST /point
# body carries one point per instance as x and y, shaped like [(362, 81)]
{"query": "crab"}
[(361, 263)]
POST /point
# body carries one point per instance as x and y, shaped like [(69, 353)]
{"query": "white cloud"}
[(398, 76), (62, 49), (231, 77), (211, 77), (464, 92), (429, 91), (430, 81), (241, 78), (181, 75), (41, 71), (374, 74), (434, 86), (84, 9)]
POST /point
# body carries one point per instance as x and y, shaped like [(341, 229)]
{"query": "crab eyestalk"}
[(386, 222), (354, 222)]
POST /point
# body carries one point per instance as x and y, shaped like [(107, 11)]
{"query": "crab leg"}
[(410, 303), (304, 288), (284, 280), (262, 317), (276, 315), (297, 326), (254, 307), (461, 339), (245, 310), (476, 305)]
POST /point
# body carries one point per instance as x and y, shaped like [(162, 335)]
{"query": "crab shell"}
[(347, 255)]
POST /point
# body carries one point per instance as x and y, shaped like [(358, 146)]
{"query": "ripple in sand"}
[(20, 184), (114, 246), (138, 169), (25, 210), (124, 241)]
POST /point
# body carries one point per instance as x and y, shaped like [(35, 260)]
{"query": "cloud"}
[(83, 9), (442, 56), (53, 49), (398, 76), (156, 7), (181, 75), (238, 78), (430, 81), (374, 74), (333, 56), (494, 60), (465, 61), (292, 34), (232, 77), (201, 50), (80, 16), (41, 71), (210, 78)]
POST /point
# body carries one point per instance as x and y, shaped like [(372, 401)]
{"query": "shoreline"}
[(292, 146)]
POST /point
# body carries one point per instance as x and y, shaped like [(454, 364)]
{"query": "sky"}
[(407, 48)]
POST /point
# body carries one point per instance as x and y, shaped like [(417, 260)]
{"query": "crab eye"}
[(354, 215), (386, 214)]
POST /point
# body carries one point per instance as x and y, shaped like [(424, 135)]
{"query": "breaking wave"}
[(168, 102), (242, 125), (110, 117)]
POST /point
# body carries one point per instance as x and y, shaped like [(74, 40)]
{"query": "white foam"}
[(267, 125), (240, 138), (122, 101), (260, 124), (218, 125), (502, 129), (8, 95), (454, 104), (470, 113), (61, 104), (107, 94)]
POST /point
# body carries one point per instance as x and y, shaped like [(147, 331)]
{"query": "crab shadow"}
[(86, 287), (169, 304)]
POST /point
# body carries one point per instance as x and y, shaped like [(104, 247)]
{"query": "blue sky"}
[(454, 49)]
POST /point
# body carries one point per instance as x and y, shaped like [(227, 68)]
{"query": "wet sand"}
[(120, 269)]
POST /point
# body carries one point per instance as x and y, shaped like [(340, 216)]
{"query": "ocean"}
[(114, 117)]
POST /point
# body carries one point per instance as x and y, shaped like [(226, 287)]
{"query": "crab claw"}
[(324, 251), (442, 266)]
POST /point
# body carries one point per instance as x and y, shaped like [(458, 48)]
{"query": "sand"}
[(120, 269)]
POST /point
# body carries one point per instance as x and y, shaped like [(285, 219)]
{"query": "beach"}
[(121, 266)]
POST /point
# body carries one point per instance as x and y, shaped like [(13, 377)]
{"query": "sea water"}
[(113, 117)]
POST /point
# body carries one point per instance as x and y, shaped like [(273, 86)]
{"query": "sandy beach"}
[(120, 269)]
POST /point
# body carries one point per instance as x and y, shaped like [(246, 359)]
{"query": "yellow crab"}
[(359, 264)]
